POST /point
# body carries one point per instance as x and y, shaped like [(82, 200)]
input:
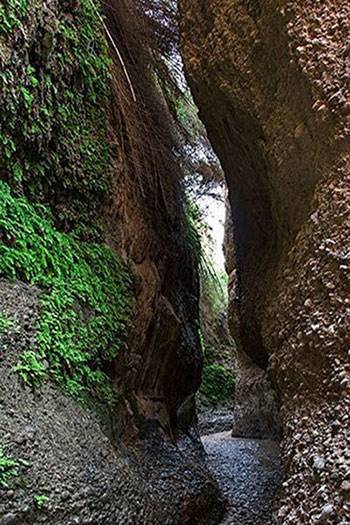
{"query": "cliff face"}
[(272, 83), (146, 222), (98, 317)]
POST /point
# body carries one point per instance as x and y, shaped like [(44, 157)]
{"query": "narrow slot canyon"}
[(174, 262)]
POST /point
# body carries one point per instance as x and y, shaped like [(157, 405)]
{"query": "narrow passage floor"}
[(248, 472)]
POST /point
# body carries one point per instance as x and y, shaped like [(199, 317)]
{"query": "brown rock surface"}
[(255, 401), (271, 80), (158, 373), (161, 370)]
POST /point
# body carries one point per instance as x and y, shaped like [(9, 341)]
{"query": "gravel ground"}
[(214, 420), (248, 472)]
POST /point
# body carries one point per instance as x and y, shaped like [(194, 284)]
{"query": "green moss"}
[(217, 384), (12, 14), (54, 153), (85, 306), (53, 128)]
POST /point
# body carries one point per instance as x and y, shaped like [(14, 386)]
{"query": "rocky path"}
[(248, 473)]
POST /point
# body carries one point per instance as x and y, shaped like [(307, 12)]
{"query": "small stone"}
[(318, 463), (9, 519), (345, 486), (327, 511)]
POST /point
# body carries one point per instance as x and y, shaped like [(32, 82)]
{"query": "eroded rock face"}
[(255, 400), (271, 80), (119, 168), (160, 373), (64, 456)]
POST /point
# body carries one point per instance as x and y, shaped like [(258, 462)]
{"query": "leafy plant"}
[(11, 15), (5, 324), (9, 469), (40, 500), (30, 368), (85, 306)]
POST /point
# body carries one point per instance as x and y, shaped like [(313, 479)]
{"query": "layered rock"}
[(146, 223), (271, 82)]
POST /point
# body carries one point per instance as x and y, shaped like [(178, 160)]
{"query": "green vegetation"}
[(192, 237), (31, 369), (5, 324), (55, 159), (217, 383), (217, 378), (85, 304), (9, 469), (40, 501), (53, 129), (11, 15)]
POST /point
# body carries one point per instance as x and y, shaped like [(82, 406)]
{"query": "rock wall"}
[(89, 178), (161, 371), (68, 470), (255, 400), (271, 80)]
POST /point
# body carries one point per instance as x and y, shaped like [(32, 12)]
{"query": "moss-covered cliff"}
[(55, 165), (94, 306)]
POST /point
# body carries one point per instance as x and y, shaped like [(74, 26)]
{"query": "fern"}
[(85, 306)]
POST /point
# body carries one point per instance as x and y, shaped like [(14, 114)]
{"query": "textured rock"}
[(255, 401), (272, 83), (146, 224), (127, 477), (67, 458)]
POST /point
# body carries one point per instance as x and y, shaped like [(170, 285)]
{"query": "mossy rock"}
[(86, 299), (217, 384)]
